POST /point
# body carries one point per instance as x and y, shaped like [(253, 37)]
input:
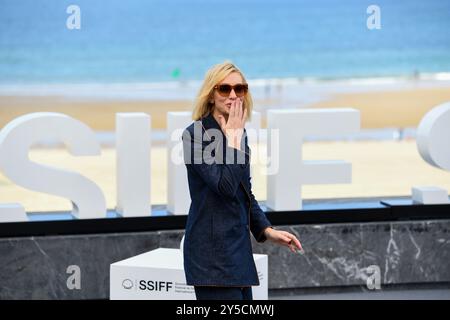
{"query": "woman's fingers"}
[(292, 249), (239, 109), (237, 115), (222, 122), (234, 113), (296, 243), (287, 239), (284, 239), (232, 109), (244, 117), (293, 241)]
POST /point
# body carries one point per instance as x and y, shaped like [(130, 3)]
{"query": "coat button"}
[(246, 227)]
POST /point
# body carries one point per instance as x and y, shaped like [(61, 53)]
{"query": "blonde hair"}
[(214, 76)]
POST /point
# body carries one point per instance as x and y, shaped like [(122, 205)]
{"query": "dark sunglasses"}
[(224, 89)]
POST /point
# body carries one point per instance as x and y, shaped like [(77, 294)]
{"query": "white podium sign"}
[(159, 275)]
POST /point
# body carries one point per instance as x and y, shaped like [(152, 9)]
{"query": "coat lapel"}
[(210, 122)]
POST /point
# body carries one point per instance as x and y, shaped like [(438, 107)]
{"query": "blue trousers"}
[(223, 293)]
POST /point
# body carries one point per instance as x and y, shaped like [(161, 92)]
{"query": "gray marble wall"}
[(335, 255)]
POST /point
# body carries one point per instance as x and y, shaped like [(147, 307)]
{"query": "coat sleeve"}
[(222, 177), (258, 219)]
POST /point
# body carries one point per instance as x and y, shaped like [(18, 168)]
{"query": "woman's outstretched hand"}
[(234, 127), (284, 238)]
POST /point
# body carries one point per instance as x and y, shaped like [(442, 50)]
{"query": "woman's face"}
[(222, 104)]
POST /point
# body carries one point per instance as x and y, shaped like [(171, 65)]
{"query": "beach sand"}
[(380, 168), (394, 108), (97, 114), (400, 109)]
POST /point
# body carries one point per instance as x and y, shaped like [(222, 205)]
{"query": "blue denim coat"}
[(217, 247)]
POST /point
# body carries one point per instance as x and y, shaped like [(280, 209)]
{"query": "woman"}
[(218, 258)]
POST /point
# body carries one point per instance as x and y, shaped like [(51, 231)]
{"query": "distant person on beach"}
[(217, 249)]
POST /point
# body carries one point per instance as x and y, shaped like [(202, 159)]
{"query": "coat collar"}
[(210, 122)]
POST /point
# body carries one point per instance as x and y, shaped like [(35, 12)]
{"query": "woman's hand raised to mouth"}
[(234, 127)]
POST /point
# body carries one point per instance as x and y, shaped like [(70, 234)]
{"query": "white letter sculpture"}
[(178, 198), (284, 186), (18, 136), (433, 143), (133, 147)]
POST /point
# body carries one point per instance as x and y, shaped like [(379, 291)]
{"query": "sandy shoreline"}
[(380, 168), (97, 114), (404, 108), (393, 108)]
